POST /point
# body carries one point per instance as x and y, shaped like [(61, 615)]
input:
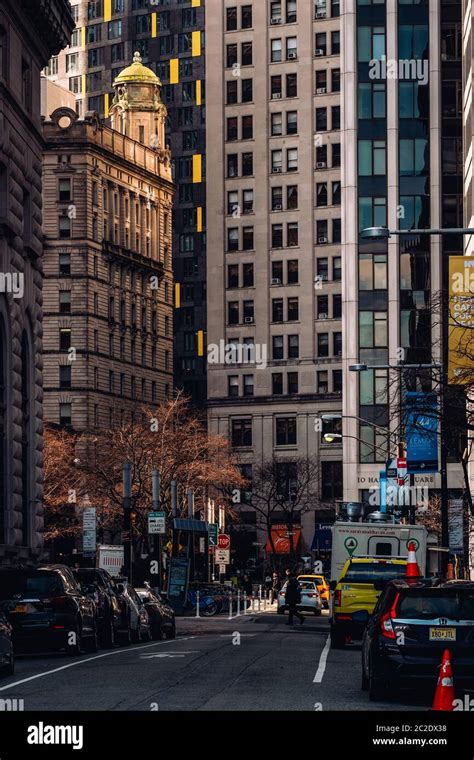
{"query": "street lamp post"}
[(443, 446)]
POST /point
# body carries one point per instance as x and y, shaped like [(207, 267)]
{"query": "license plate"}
[(19, 608), (442, 634)]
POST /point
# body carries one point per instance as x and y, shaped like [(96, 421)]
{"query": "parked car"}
[(7, 657), (45, 606), (321, 583), (355, 595), (310, 598), (412, 624), (112, 617), (162, 620), (138, 620)]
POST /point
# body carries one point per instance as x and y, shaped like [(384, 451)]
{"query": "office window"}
[(293, 346), (277, 235), (291, 48), (292, 382), (322, 269), (331, 480), (371, 100), (292, 85), (247, 164), (292, 272), (292, 234), (231, 55), (277, 124), (337, 381), (276, 87), (321, 194), (247, 90), (293, 310), (337, 306), (320, 44), (233, 386), (232, 129), (276, 55), (323, 307), (64, 301), (321, 119), (337, 344), (323, 345), (248, 385), (246, 20), (247, 275), (65, 376), (292, 123), (277, 346), (292, 159), (373, 329), (247, 127), (277, 384), (286, 431), (247, 239), (65, 414), (246, 54), (277, 310), (371, 43), (322, 382), (231, 19), (373, 158), (241, 432), (65, 263), (114, 29), (233, 313), (64, 339), (64, 227)]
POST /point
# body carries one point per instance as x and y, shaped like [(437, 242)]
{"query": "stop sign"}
[(223, 541)]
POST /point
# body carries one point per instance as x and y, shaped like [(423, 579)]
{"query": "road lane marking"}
[(89, 659), (322, 662), (165, 654)]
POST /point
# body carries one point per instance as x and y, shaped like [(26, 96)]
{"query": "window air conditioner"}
[(323, 239)]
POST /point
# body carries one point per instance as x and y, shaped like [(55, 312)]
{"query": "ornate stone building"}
[(108, 303), (30, 32)]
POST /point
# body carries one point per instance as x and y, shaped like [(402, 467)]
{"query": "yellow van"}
[(356, 593)]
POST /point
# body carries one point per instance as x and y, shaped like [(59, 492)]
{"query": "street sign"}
[(222, 556), (89, 533), (222, 569), (391, 468), (402, 470), (456, 526), (213, 530), (156, 523), (223, 541)]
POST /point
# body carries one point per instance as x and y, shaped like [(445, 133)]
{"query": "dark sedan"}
[(162, 620), (412, 624), (7, 658), (112, 617), (47, 609)]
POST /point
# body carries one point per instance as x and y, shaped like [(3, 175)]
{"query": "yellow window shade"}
[(196, 44), (200, 343), (177, 295), (198, 93), (174, 70), (199, 219), (153, 24), (107, 10), (197, 168)]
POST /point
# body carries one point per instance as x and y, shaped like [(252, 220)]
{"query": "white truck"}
[(365, 539)]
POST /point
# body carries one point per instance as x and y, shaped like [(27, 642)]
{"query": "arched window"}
[(3, 431), (25, 438)]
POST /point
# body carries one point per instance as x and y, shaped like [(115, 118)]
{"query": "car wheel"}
[(338, 640), (317, 613), (171, 634), (74, 642), (210, 610)]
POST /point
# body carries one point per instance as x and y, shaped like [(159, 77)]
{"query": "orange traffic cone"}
[(444, 696), (413, 571)]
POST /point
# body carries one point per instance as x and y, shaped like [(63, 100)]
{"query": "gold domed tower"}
[(137, 110)]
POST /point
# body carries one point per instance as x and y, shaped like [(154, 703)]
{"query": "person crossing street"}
[(292, 598)]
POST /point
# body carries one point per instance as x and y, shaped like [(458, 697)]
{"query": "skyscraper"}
[(402, 168), (108, 305), (170, 38), (274, 236)]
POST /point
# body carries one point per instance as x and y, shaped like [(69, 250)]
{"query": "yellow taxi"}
[(321, 583), (356, 593)]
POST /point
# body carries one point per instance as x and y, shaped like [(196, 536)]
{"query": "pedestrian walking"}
[(292, 598), (275, 586), (247, 585)]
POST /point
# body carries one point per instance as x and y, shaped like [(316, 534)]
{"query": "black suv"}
[(112, 618), (47, 609), (412, 624)]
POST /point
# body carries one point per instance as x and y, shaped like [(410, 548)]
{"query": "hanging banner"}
[(281, 539), (421, 430), (461, 319), (89, 531)]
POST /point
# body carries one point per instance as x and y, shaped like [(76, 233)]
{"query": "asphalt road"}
[(254, 662)]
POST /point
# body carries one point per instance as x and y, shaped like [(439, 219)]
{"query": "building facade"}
[(29, 35), (401, 168), (170, 39), (108, 294), (274, 235)]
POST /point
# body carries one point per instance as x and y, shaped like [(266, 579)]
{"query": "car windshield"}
[(39, 584), (372, 572), (451, 604), (307, 585)]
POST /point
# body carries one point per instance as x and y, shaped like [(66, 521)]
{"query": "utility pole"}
[(156, 505), (127, 520)]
